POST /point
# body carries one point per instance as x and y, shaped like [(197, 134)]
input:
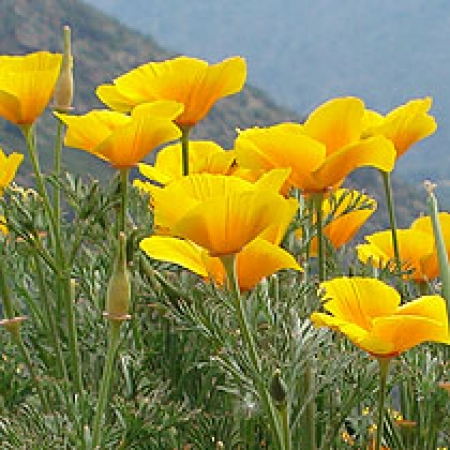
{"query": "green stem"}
[(61, 366), (383, 364), (124, 203), (284, 413), (68, 293), (30, 139), (386, 176), (441, 248), (113, 345), (185, 149), (229, 263), (317, 200), (4, 291), (310, 411), (57, 175)]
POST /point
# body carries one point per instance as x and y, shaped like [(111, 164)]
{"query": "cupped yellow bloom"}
[(368, 312), (26, 85), (321, 153), (189, 191), (417, 252), (342, 223), (222, 214), (120, 139), (225, 225), (405, 125), (8, 168), (190, 81), (204, 156), (257, 260)]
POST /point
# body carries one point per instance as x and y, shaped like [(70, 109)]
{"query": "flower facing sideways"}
[(190, 81), (120, 139), (368, 312), (404, 126), (26, 85), (417, 253), (322, 152)]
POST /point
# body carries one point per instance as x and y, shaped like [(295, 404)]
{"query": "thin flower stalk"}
[(54, 334), (113, 345), (185, 149), (321, 257), (122, 225), (57, 175), (440, 244), (392, 221), (229, 262), (383, 364), (63, 281)]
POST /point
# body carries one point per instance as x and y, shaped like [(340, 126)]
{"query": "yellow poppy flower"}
[(417, 252), (190, 81), (424, 224), (27, 84), (189, 191), (8, 168), (204, 156), (257, 260), (220, 213), (122, 140), (343, 225), (225, 225), (322, 152), (405, 125), (368, 312)]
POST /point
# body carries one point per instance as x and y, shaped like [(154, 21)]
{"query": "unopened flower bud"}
[(119, 288), (278, 390), (63, 94)]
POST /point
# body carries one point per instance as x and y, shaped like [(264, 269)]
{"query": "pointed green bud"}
[(119, 288), (63, 95), (278, 390)]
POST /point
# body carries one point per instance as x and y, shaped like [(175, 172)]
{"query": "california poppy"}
[(26, 85), (368, 312), (120, 139), (190, 81), (322, 152)]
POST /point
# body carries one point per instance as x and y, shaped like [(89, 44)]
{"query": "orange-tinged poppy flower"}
[(123, 140), (336, 123), (368, 312), (257, 260), (343, 223), (191, 190), (417, 252), (204, 156), (405, 125), (225, 225), (8, 168), (424, 224), (190, 81), (314, 167), (26, 85)]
